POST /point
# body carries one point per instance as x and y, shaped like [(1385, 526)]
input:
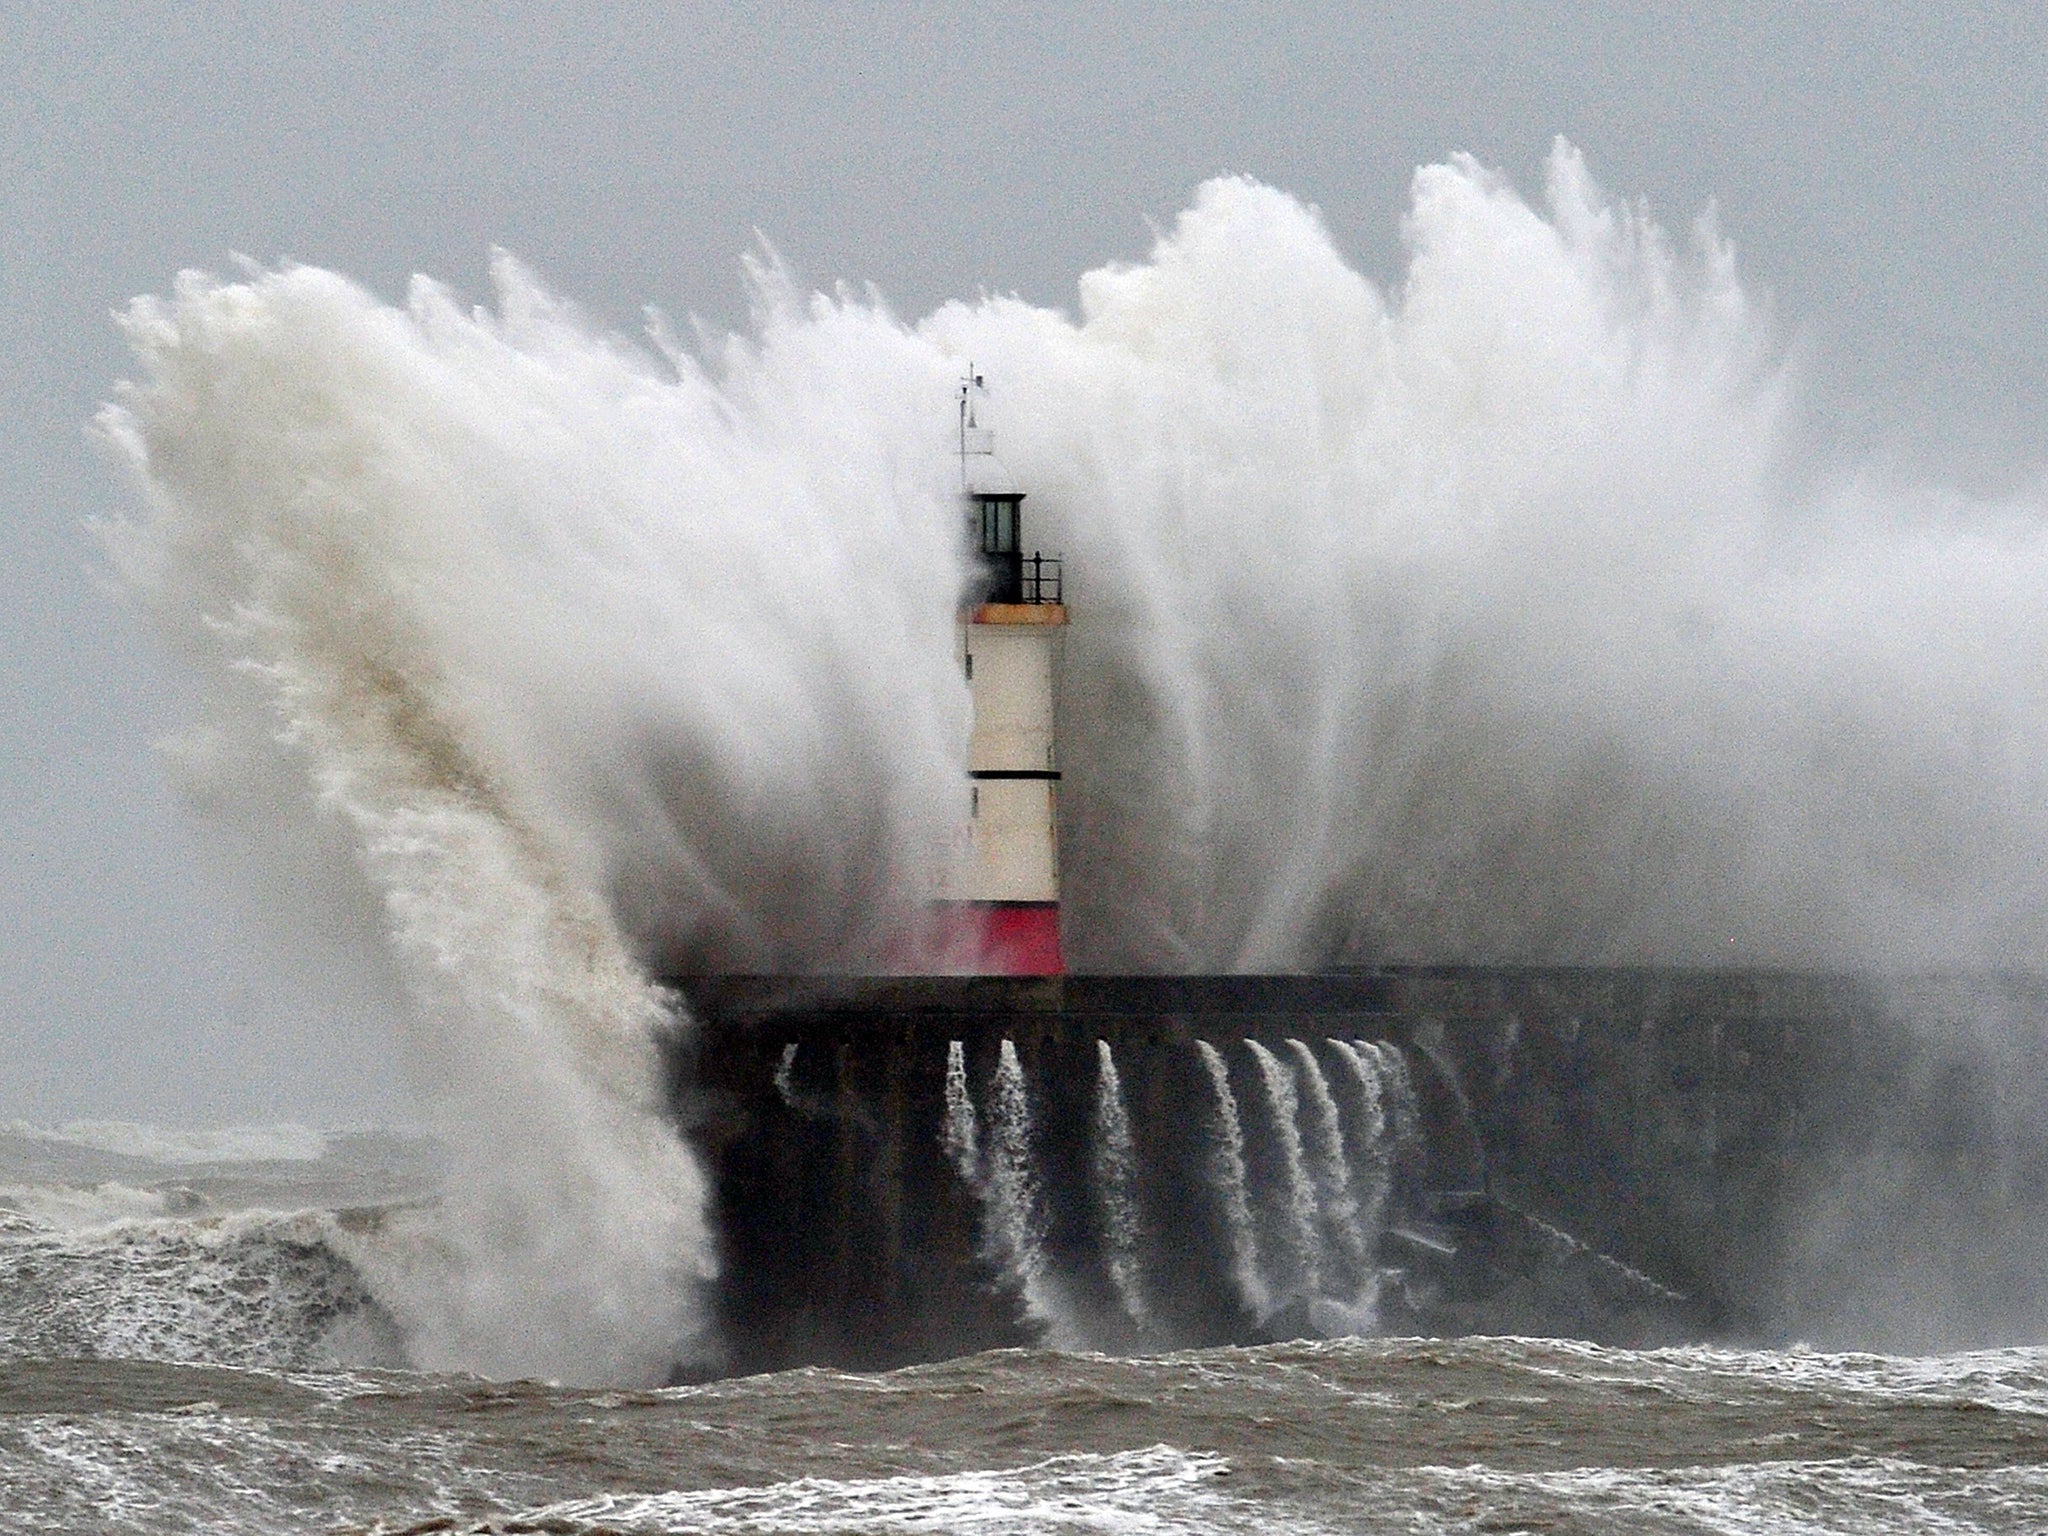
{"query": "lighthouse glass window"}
[(998, 526)]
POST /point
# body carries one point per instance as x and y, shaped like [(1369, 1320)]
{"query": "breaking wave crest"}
[(255, 1289), (1483, 620)]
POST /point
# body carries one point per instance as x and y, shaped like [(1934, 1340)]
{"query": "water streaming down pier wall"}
[(1636, 1156)]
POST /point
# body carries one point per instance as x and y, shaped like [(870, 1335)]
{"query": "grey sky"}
[(1883, 171)]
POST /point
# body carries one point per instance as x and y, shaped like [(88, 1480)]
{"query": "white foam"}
[(1160, 1489), (2009, 1380), (201, 1470), (1856, 1496), (2012, 1380)]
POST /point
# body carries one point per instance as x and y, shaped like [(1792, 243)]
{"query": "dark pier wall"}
[(1637, 1155)]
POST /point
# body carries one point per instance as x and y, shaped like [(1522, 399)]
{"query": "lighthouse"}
[(1002, 912)]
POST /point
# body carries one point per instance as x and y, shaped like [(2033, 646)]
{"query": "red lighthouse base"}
[(998, 938)]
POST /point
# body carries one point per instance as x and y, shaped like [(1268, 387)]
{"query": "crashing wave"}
[(1473, 620)]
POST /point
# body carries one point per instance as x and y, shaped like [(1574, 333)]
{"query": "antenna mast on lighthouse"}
[(970, 384), (1003, 909)]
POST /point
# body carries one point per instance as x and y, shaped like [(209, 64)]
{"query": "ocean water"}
[(193, 1338)]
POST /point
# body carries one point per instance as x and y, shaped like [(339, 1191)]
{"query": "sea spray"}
[(1479, 619), (1303, 1224), (1332, 1165), (320, 539), (1475, 619), (1227, 1174), (961, 1136), (1116, 1185)]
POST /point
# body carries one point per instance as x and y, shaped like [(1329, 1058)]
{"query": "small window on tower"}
[(998, 525)]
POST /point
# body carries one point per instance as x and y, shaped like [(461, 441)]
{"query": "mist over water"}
[(1487, 619)]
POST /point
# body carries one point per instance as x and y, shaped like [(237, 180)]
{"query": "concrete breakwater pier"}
[(909, 1168)]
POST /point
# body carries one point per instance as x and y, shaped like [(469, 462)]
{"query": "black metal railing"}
[(1018, 578), (1040, 580)]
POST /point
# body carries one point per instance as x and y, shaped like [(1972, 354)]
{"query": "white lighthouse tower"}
[(1002, 912)]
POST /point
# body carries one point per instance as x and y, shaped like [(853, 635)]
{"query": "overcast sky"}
[(1883, 171)]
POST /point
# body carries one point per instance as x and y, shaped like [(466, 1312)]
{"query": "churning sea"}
[(190, 1341)]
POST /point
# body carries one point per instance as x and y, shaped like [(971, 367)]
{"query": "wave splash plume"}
[(1477, 621)]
